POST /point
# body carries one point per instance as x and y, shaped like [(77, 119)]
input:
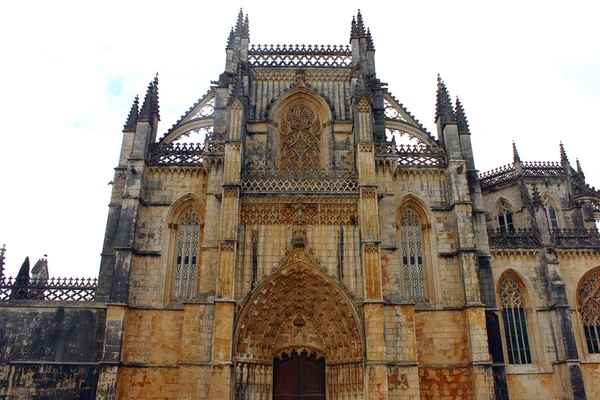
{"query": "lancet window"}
[(551, 214), (301, 133), (588, 299), (411, 248), (505, 217), (186, 263), (515, 323)]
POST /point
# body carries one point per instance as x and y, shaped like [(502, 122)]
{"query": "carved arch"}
[(504, 214), (552, 208), (176, 212), (199, 117), (411, 202)]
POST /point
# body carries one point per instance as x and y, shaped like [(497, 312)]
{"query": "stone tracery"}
[(300, 129)]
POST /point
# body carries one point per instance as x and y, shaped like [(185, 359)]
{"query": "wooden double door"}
[(299, 376)]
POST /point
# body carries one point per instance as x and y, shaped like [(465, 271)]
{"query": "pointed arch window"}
[(505, 217), (588, 298), (411, 245), (186, 263), (551, 214), (515, 323)]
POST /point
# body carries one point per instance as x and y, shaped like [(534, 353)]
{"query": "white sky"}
[(524, 70)]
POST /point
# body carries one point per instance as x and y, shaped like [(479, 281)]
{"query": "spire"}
[(360, 24), (239, 25), (133, 115), (370, 45), (461, 118), (230, 39), (564, 160), (444, 112), (150, 105), (516, 157)]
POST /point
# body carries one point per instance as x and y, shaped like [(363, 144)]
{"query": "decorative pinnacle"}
[(444, 113), (579, 169), (230, 39), (516, 157), (353, 29), (461, 118), (133, 115), (564, 160), (246, 28), (537, 200), (150, 105), (239, 25), (2, 251), (360, 24), (370, 45)]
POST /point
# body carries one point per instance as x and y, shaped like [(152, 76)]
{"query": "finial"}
[(370, 45), (564, 160), (516, 157), (360, 24), (133, 115), (444, 113), (239, 25), (155, 104), (461, 118)]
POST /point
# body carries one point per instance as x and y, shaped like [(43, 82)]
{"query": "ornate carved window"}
[(505, 217), (551, 214), (411, 253), (515, 324), (186, 263), (588, 300), (300, 131)]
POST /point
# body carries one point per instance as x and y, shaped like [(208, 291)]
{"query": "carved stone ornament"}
[(310, 211), (300, 132)]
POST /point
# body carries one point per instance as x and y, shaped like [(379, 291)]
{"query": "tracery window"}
[(505, 218), (589, 307), (300, 139), (515, 323), (551, 214), (186, 263), (411, 240)]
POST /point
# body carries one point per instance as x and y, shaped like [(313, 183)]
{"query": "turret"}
[(147, 121)]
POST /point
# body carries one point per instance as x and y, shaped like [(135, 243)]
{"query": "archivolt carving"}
[(309, 211), (299, 307)]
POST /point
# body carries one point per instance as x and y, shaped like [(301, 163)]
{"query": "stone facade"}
[(299, 208)]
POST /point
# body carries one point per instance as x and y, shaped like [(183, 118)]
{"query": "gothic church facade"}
[(298, 234)]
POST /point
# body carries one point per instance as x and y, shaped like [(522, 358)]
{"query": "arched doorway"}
[(299, 309), (299, 376)]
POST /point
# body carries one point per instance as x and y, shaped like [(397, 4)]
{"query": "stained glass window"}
[(515, 323), (589, 307), (186, 264), (413, 270)]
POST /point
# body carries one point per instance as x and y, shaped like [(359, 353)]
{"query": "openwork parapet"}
[(514, 238), (418, 155), (498, 175), (576, 238), (52, 289), (299, 56), (176, 154), (542, 168)]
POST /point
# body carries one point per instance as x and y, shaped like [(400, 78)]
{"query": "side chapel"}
[(298, 234)]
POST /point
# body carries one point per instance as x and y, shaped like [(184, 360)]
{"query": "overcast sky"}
[(526, 71)]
